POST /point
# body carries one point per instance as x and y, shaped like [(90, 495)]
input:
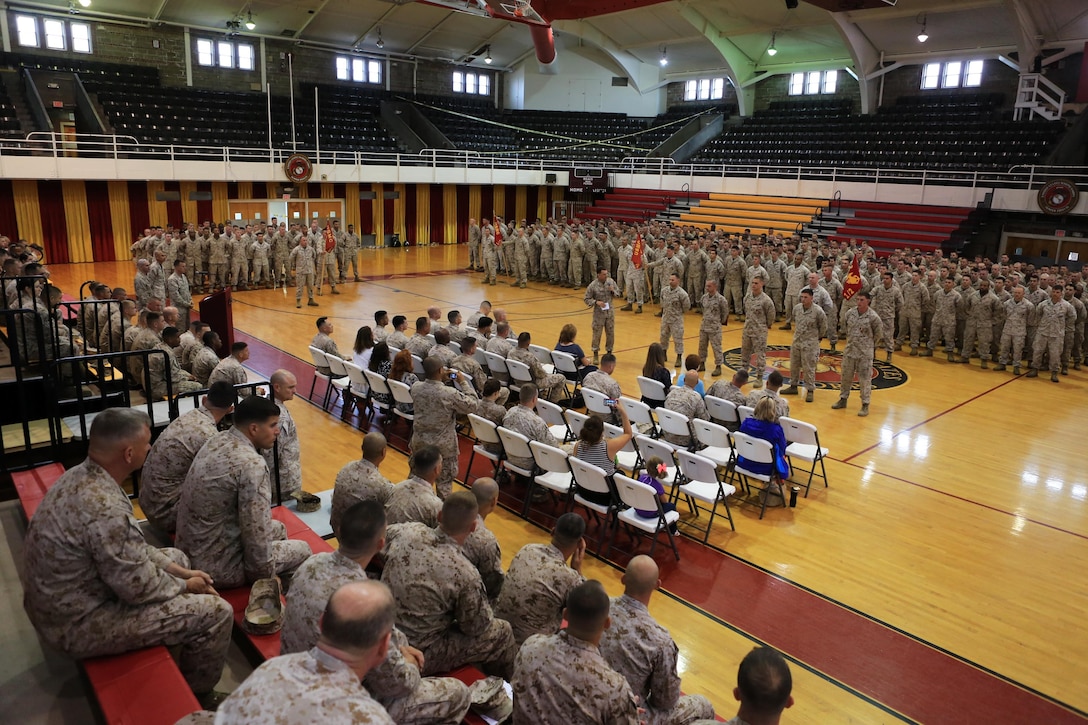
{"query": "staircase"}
[(16, 91), (1037, 96)]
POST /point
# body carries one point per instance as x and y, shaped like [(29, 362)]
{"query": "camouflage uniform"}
[(796, 278), (862, 333), (442, 605), (327, 345), (482, 549), (160, 367), (229, 370), (915, 300), (521, 257), (577, 257), (603, 320), (674, 303), (735, 270), (561, 256), (758, 318), (204, 362), (980, 325), (224, 523), (886, 303), (715, 314), (645, 654), (309, 686), (302, 261), (413, 501), (474, 246), (436, 409), (239, 265), (490, 253), (1052, 319), (279, 259), (602, 382), (725, 390), (419, 345), (781, 407), (526, 422), (181, 296), (348, 248), (168, 463), (682, 399), (552, 385), (218, 260), (357, 481), (94, 587), (289, 454), (535, 591), (561, 679), (945, 307), (809, 326), (776, 281)]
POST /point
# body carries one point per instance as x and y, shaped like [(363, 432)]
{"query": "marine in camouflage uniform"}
[(715, 315), (436, 409), (863, 330), (600, 294), (758, 317), (168, 463), (535, 590), (358, 481), (915, 300), (946, 303), (674, 303), (810, 325)]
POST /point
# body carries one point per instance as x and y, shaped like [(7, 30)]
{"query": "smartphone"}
[(611, 402), (453, 376)]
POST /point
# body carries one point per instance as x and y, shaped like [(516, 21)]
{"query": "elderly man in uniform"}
[(168, 463), (600, 295), (810, 322), (643, 651), (303, 261), (284, 458), (946, 304), (442, 604), (863, 331), (715, 315), (539, 580), (684, 400), (436, 409), (674, 303), (325, 683), (361, 480), (224, 521), (1052, 316), (395, 683), (887, 303), (562, 678), (980, 324), (482, 546), (915, 300), (94, 587), (758, 319)]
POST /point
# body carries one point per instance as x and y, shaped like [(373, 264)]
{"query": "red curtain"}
[(9, 224), (387, 213), (203, 208), (100, 220), (232, 190), (410, 213), (511, 212), (438, 215), (366, 211), (138, 212), (462, 213), (174, 214), (54, 226), (487, 203)]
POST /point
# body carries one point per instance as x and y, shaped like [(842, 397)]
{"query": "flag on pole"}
[(852, 284), (330, 238), (636, 252), (498, 232)]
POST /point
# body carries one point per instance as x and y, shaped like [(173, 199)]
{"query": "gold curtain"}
[(328, 191), (188, 208), (423, 214), (121, 219), (379, 214), (74, 194), (398, 211), (220, 202), (498, 205), (351, 207), (156, 209), (542, 203), (27, 211), (450, 213), (245, 190), (558, 194), (474, 202), (521, 203)]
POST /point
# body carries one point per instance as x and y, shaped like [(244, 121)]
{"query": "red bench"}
[(143, 687), (468, 674), (32, 485)]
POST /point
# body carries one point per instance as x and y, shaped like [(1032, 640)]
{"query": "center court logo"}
[(828, 367)]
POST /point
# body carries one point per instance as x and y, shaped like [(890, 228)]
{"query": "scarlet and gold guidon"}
[(636, 253), (852, 284)]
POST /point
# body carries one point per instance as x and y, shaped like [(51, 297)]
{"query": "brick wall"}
[(777, 88), (907, 81), (675, 96)]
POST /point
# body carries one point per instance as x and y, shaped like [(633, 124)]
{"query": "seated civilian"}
[(568, 345)]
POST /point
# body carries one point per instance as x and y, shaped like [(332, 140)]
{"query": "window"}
[(474, 83), (226, 54), (205, 52), (704, 89), (245, 56), (26, 27), (813, 83), (52, 33), (690, 89), (953, 74), (55, 35), (81, 37), (360, 70)]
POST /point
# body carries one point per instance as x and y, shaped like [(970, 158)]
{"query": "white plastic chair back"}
[(673, 423), (744, 412), (575, 421), (484, 430), (595, 402), (359, 384), (721, 410), (651, 389), (639, 413)]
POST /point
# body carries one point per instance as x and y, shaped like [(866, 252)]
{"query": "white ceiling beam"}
[(370, 29), (865, 55), (932, 7), (162, 8), (1027, 45), (434, 28), (590, 33), (313, 16)]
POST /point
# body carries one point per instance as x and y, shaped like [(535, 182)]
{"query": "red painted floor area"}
[(891, 668)]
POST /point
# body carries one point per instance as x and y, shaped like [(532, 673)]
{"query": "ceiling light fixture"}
[(487, 58), (380, 43), (85, 3), (250, 25), (664, 60), (772, 51), (922, 36)]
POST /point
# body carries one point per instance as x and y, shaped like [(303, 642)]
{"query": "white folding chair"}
[(641, 416), (565, 363), (340, 380), (520, 374), (486, 433), (360, 388), (674, 424), (393, 351), (544, 355), (417, 366), (638, 495), (653, 392), (455, 346), (379, 387), (497, 365), (627, 458), (722, 412), (717, 445), (480, 356), (554, 472), (575, 421), (402, 394), (744, 412), (702, 483), (430, 336), (318, 356), (595, 403), (592, 478), (649, 447), (515, 445), (804, 444), (757, 450), (552, 414)]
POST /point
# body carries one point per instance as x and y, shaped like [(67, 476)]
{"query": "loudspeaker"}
[(167, 196), (390, 194), (367, 195), (550, 178), (791, 4), (200, 196)]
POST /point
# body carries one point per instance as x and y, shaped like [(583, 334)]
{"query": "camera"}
[(611, 402), (453, 375)]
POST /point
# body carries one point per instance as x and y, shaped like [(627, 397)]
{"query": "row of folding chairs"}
[(363, 384)]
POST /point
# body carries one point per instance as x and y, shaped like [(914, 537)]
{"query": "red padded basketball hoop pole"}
[(544, 41)]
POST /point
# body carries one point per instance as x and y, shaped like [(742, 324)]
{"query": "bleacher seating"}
[(737, 212), (887, 227), (637, 205), (470, 124), (603, 129)]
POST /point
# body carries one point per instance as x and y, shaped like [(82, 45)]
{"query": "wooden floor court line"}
[(901, 671)]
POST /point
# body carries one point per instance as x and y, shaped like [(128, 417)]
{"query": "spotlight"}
[(664, 60), (380, 43), (772, 51), (250, 25), (487, 58), (922, 36), (85, 3)]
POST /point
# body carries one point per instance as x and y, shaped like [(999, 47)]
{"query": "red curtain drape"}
[(9, 224), (203, 208), (138, 212), (387, 214), (100, 220), (232, 190), (174, 214), (487, 203), (54, 226), (511, 212), (366, 211), (438, 215), (410, 212), (462, 213)]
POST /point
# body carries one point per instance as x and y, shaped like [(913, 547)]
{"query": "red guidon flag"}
[(852, 284), (636, 252), (498, 233), (330, 238)]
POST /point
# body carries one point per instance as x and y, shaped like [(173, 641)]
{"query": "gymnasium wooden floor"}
[(940, 577)]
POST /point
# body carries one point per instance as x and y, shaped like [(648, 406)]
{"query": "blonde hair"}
[(765, 410)]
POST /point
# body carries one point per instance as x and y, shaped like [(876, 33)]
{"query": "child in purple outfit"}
[(655, 469)]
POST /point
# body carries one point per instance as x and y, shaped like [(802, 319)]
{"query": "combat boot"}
[(1000, 368), (888, 357), (864, 410), (791, 390), (626, 308), (839, 404), (639, 310), (717, 371), (914, 351), (1033, 373), (679, 361), (984, 365), (1015, 369), (1054, 377), (926, 352), (808, 397)]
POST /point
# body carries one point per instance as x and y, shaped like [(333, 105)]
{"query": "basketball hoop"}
[(520, 6)]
